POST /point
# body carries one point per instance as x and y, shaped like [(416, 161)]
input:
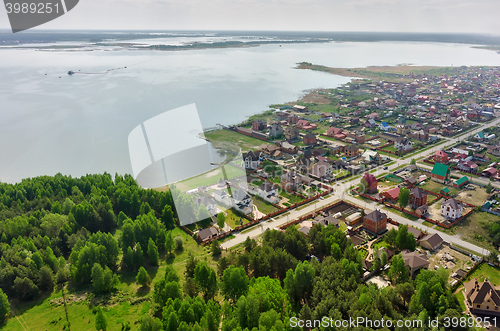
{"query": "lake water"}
[(79, 124)]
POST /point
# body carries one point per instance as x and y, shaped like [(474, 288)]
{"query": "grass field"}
[(263, 206), (226, 139), (485, 271), (436, 187), (291, 198), (128, 303), (472, 229), (233, 220), (461, 298)]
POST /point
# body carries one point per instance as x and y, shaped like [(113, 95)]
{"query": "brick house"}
[(375, 222), (291, 133), (259, 125), (309, 139), (440, 173), (351, 151), (418, 197), (441, 157)]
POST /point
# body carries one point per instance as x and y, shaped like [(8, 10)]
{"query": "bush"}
[(179, 242)]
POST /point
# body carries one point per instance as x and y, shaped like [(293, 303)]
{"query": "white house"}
[(242, 201), (252, 160), (403, 144), (370, 156), (384, 126), (451, 208), (223, 198), (269, 192), (208, 202)]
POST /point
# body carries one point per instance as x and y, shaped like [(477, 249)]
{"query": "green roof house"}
[(460, 182), (479, 135), (445, 191), (440, 173)]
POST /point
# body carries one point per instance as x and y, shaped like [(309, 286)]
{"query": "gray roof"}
[(376, 216), (452, 203), (240, 195), (268, 186)]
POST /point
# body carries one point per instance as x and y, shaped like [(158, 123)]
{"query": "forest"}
[(62, 232)]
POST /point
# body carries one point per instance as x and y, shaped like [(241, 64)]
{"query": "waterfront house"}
[(252, 160), (259, 125)]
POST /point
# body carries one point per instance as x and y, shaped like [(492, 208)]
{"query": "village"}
[(421, 156)]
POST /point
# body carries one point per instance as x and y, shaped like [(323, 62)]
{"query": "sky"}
[(464, 16)]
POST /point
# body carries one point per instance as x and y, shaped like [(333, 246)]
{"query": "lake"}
[(52, 122)]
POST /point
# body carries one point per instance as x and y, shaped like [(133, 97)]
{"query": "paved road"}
[(340, 193)]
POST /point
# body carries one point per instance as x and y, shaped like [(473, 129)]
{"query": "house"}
[(384, 126), (482, 297), (291, 133), (467, 166), (461, 182), (403, 144), (331, 132), (252, 160), (370, 123), (403, 129), (304, 165), (354, 121), (420, 135), (375, 222), (309, 139), (371, 182), (479, 136), (494, 150), (416, 126), (461, 121), (305, 125), (293, 119), (391, 194), (431, 241), (275, 131), (259, 125), (422, 210), (441, 157), (473, 114), (414, 262), (415, 232), (489, 172), (370, 156), (356, 136), (451, 208), (351, 151), (223, 198), (445, 191), (269, 192), (440, 173), (291, 181), (207, 233), (322, 170), (418, 197), (301, 109), (242, 201), (221, 183), (208, 202), (289, 148), (373, 116)]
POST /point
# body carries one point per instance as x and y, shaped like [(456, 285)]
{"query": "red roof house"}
[(441, 157)]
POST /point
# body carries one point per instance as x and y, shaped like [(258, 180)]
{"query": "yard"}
[(263, 206), (233, 220), (473, 229), (229, 140), (485, 271), (291, 197), (436, 187), (476, 197)]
